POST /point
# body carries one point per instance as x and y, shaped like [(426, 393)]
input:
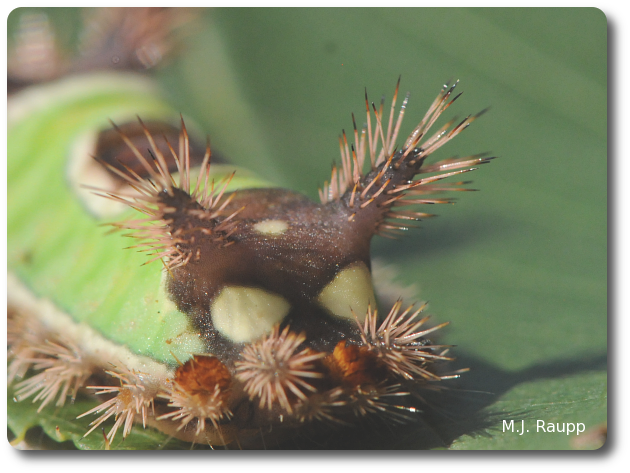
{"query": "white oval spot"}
[(351, 290), (271, 227), (244, 314)]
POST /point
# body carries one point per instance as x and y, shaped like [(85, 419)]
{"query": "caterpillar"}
[(239, 307)]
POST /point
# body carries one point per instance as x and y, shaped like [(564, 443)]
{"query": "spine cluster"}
[(390, 182), (277, 376)]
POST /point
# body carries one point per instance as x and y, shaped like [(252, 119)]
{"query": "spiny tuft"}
[(391, 172), (400, 343), (134, 396), (272, 370), (180, 215), (200, 391)]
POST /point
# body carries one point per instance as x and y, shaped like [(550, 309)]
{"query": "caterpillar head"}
[(280, 286)]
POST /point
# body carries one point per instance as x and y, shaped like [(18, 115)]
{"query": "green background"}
[(519, 268)]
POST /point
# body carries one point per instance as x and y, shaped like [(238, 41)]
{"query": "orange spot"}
[(125, 396), (201, 374), (355, 365)]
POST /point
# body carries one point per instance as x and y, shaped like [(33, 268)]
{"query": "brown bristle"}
[(400, 344), (272, 370), (134, 396), (112, 150), (182, 219), (24, 335), (370, 196), (368, 400), (63, 370), (321, 407)]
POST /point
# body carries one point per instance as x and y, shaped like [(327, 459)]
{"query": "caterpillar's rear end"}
[(242, 308)]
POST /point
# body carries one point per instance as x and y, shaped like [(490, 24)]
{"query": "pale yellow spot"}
[(351, 290), (271, 227), (244, 314), (84, 171)]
